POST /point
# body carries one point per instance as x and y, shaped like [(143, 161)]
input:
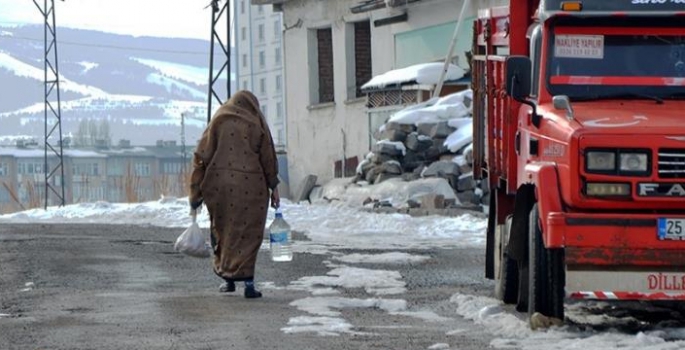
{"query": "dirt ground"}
[(123, 287)]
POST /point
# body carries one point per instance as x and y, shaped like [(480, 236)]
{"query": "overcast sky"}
[(163, 18)]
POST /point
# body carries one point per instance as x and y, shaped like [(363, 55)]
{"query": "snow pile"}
[(424, 73), (432, 139)]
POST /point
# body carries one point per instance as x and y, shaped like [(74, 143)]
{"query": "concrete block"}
[(442, 168), (425, 128), (395, 135), (391, 167), (305, 188), (416, 143), (441, 130), (466, 183), (433, 201), (388, 149), (466, 197)]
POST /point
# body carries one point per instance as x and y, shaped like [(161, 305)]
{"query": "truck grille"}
[(671, 163)]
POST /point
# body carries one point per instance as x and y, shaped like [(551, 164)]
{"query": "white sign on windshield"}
[(579, 46)]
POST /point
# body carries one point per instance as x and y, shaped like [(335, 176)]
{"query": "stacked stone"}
[(413, 152)]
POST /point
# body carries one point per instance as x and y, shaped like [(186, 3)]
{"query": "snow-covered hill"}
[(141, 85)]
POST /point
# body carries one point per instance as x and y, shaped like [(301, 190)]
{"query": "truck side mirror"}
[(518, 70)]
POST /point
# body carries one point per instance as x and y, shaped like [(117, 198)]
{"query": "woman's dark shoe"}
[(227, 287), (252, 293)]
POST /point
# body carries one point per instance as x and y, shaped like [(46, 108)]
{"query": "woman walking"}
[(234, 169)]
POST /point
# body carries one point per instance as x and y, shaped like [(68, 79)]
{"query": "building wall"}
[(262, 72), (315, 132)]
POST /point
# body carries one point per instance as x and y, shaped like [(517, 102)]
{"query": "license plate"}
[(671, 229)]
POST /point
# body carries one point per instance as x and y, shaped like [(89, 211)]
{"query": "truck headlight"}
[(634, 162), (600, 160)]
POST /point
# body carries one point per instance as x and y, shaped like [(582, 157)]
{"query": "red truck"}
[(579, 131)]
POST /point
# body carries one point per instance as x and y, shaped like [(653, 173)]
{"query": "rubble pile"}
[(432, 139)]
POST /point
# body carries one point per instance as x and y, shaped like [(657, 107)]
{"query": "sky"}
[(163, 18), (330, 227)]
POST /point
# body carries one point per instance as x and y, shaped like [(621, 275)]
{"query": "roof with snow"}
[(422, 74)]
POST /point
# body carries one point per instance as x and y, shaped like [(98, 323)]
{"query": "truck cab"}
[(579, 130)]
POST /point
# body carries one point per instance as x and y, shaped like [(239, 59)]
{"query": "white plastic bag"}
[(192, 241)]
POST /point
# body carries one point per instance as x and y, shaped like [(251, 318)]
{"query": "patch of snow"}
[(514, 332), (170, 84), (22, 69), (425, 315), (323, 326), (378, 282), (87, 66), (327, 227), (384, 258), (425, 73), (434, 110), (397, 144), (439, 346), (396, 191), (329, 306), (187, 73), (459, 138)]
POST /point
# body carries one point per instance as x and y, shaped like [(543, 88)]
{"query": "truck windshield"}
[(606, 62)]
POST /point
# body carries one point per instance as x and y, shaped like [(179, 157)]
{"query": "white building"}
[(329, 46), (259, 66)]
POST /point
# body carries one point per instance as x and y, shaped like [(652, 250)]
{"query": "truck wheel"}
[(506, 286), (546, 280)]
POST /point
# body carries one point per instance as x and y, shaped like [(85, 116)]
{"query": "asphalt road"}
[(123, 287)]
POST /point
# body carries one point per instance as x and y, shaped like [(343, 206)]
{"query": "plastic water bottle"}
[(279, 235)]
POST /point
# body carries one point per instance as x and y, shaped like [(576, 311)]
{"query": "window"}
[(260, 9), (4, 169), (277, 55), (172, 168), (262, 85), (244, 60), (279, 82), (279, 136), (262, 59), (260, 31), (244, 84), (323, 70), (142, 169), (243, 33), (277, 29), (535, 53), (29, 168), (85, 169), (279, 112), (242, 6), (362, 58), (264, 111)]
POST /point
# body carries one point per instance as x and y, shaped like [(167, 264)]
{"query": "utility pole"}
[(52, 111), (183, 142), (445, 68), (219, 10)]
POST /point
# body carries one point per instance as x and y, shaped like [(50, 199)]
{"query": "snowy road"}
[(359, 281), (122, 287)]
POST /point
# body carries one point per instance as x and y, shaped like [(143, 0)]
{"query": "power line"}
[(114, 47)]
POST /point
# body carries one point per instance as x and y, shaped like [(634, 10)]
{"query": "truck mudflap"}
[(625, 285)]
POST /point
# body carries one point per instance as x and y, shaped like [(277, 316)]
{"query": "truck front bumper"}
[(618, 256)]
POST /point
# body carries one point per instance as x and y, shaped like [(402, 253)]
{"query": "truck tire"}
[(506, 287), (546, 279)]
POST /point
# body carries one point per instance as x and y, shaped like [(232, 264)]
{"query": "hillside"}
[(141, 85)]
